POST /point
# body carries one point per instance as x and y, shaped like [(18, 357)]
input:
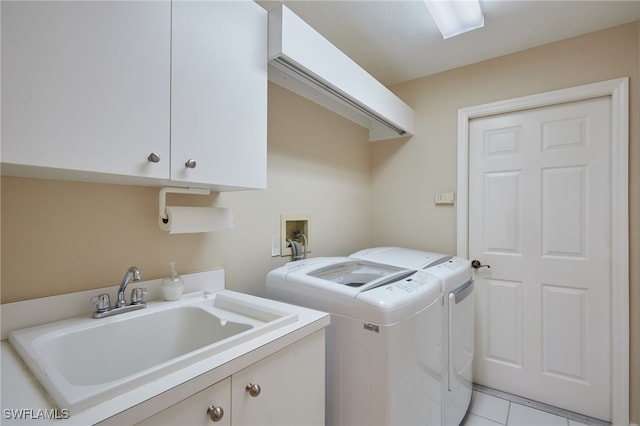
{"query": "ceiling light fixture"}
[(454, 17)]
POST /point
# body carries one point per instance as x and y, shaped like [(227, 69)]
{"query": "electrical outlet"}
[(275, 246)]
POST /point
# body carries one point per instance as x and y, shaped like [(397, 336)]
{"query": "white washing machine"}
[(458, 318), (384, 356)]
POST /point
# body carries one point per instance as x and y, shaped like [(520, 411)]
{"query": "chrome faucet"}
[(103, 304), (131, 272)]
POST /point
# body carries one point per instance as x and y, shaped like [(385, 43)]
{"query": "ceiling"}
[(397, 41)]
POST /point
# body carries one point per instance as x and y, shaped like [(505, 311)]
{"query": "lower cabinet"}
[(285, 388), (291, 387)]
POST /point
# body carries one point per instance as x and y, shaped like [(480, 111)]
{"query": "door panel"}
[(504, 318), (539, 214), (564, 345), (502, 222), (563, 211)]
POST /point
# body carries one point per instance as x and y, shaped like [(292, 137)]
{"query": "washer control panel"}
[(410, 290), (411, 284)]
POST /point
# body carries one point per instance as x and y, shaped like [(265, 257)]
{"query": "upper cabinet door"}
[(85, 86), (219, 94)]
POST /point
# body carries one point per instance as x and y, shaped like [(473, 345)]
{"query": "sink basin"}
[(83, 361), (112, 351)]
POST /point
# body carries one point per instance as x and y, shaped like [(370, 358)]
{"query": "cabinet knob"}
[(215, 413), (190, 164), (253, 389), (154, 157)]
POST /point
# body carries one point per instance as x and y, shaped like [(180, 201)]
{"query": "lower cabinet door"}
[(211, 406), (286, 388)]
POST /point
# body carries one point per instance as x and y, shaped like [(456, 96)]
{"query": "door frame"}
[(618, 90)]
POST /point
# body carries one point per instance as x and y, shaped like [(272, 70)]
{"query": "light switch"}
[(445, 197)]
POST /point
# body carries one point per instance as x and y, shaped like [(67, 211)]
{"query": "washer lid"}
[(360, 275), (404, 257), (357, 289)]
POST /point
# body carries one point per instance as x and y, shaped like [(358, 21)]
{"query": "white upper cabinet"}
[(219, 93), (85, 86), (131, 91), (305, 62)]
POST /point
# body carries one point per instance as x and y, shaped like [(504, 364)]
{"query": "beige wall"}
[(59, 237), (408, 173)]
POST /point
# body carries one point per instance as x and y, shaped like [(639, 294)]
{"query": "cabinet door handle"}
[(215, 413), (190, 164), (253, 389), (154, 157)]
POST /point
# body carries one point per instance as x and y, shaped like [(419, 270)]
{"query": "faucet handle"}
[(137, 295), (102, 302)]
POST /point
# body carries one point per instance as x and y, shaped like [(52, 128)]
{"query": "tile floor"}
[(490, 410)]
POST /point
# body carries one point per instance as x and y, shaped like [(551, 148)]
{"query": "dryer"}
[(458, 318), (384, 344)]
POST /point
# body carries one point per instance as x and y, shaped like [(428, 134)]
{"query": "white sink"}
[(83, 361)]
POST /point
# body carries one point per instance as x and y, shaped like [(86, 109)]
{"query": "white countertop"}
[(24, 400)]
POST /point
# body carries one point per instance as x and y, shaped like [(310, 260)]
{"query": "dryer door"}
[(460, 344)]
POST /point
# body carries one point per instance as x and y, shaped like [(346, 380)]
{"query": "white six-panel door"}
[(539, 215)]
